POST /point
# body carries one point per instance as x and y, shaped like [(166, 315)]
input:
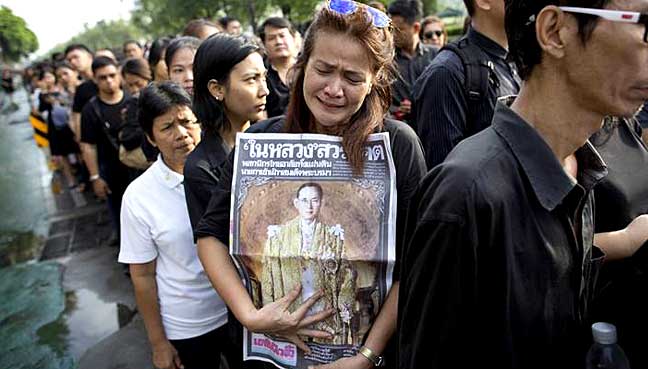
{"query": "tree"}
[(104, 35), (168, 17), (297, 11), (430, 7), (16, 39)]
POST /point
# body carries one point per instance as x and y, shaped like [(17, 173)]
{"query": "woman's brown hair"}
[(379, 46)]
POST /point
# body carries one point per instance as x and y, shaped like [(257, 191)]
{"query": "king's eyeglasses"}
[(310, 202), (613, 15), (346, 7)]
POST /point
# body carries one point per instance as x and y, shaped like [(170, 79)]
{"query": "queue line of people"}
[(499, 247)]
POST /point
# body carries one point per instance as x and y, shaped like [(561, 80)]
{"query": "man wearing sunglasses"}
[(501, 264), (455, 96), (412, 56)]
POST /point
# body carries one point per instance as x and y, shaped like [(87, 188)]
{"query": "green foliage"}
[(168, 17), (298, 11), (430, 6), (16, 39), (454, 30), (104, 35)]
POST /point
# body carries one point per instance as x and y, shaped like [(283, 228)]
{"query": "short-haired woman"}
[(342, 87), (185, 319)]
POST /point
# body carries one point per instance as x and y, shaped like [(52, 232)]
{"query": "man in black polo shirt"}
[(500, 265), (100, 122), (444, 111), (278, 37), (80, 57), (412, 56)]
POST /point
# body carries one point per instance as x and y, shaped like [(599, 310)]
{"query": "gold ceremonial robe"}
[(285, 261)]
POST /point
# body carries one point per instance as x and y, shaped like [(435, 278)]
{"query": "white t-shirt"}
[(155, 226)]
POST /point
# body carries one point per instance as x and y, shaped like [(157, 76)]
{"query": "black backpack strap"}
[(105, 125), (479, 72)]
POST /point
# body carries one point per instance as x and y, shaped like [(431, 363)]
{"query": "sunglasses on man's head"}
[(346, 7), (430, 34)]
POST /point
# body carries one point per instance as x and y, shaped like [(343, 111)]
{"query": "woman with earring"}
[(229, 92)]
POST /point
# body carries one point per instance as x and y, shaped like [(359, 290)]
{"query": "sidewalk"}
[(105, 332)]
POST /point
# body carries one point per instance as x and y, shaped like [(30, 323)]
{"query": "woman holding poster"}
[(342, 87)]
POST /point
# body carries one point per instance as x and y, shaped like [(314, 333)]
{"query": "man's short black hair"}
[(410, 10), (470, 7), (520, 28), (103, 61), (275, 22), (73, 47), (226, 20)]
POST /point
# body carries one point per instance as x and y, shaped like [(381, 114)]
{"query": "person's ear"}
[(150, 140), (216, 89), (553, 29), (296, 203), (416, 28), (483, 4)]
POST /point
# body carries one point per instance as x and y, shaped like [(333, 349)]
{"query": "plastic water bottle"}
[(605, 353)]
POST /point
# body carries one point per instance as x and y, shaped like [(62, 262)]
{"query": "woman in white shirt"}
[(184, 317)]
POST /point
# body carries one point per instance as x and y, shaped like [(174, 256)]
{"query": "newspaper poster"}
[(301, 217)]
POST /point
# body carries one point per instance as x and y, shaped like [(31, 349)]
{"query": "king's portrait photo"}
[(305, 251)]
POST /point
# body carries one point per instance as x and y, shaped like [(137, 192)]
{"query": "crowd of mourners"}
[(504, 140)]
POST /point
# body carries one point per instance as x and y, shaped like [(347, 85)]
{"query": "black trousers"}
[(204, 352)]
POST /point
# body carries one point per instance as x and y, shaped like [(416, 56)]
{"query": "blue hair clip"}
[(346, 7)]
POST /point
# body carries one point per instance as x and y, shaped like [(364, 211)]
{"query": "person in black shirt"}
[(620, 198), (444, 114), (278, 37), (80, 58), (342, 87), (229, 92), (500, 264), (8, 83), (412, 56), (101, 121)]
